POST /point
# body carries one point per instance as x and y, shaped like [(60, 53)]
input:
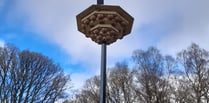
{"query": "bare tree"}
[(195, 62), (152, 67), (182, 93), (89, 93), (120, 85), (91, 89), (29, 77)]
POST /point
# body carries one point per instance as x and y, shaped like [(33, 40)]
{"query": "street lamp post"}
[(103, 74), (104, 24), (100, 2), (103, 67)]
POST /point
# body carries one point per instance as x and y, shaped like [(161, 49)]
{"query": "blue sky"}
[(49, 27)]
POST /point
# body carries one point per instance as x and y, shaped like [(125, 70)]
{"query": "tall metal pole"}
[(103, 68), (100, 2), (103, 74)]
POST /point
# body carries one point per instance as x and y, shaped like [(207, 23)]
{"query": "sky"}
[(49, 27)]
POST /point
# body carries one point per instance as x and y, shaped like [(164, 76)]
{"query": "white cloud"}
[(1, 43), (78, 79), (194, 27), (56, 21)]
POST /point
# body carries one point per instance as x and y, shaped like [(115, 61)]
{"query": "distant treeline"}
[(155, 79)]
